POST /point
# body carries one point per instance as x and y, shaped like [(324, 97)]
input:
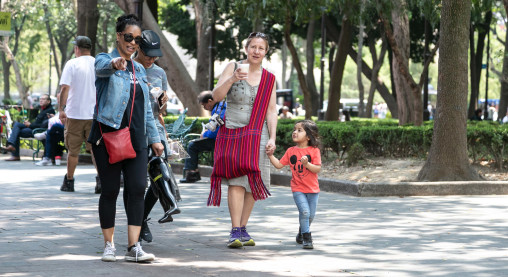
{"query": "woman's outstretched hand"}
[(119, 63)]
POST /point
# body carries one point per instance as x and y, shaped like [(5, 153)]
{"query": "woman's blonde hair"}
[(257, 35)]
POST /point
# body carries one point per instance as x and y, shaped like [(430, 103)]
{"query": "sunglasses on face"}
[(258, 35), (130, 37), (148, 57)]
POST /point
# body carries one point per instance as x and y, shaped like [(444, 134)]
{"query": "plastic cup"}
[(244, 67), (156, 91), (58, 160)]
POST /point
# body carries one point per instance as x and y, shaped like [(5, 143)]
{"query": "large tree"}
[(178, 76), (448, 159), (481, 18), (337, 69), (204, 16), (87, 15), (19, 13), (503, 102), (409, 96)]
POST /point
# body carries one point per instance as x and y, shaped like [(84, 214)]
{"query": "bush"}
[(384, 138), (355, 154)]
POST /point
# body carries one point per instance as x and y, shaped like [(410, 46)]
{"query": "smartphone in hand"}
[(160, 102)]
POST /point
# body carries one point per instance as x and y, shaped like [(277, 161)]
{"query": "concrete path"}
[(46, 232)]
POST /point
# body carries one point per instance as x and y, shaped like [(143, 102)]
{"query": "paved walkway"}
[(45, 232)]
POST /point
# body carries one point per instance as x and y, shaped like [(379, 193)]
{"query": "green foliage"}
[(384, 138), (8, 101), (355, 154), (176, 19), (232, 26)]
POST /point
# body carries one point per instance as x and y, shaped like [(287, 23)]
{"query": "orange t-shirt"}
[(303, 179)]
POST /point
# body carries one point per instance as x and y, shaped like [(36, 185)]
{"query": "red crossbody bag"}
[(118, 143)]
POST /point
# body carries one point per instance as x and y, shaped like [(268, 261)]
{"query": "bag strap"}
[(262, 100), (133, 98)]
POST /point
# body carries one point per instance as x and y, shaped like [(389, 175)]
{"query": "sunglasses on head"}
[(257, 35), (130, 37)]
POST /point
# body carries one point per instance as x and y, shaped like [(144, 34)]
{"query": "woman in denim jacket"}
[(117, 79)]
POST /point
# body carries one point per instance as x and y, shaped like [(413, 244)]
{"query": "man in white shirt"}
[(76, 105)]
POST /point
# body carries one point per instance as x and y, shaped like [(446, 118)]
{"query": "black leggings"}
[(134, 171)]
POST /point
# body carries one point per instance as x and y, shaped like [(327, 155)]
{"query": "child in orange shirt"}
[(305, 162)]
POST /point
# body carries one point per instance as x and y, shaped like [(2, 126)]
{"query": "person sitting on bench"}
[(24, 130), (207, 140)]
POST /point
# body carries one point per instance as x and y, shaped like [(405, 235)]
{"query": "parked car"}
[(174, 106)]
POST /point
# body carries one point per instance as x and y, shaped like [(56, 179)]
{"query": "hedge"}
[(384, 138)]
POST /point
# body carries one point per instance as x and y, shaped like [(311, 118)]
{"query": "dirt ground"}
[(391, 170)]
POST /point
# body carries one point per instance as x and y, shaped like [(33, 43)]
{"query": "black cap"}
[(150, 44), (83, 42)]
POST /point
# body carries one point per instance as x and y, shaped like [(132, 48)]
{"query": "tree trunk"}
[(47, 16), (88, 18), (503, 102), (343, 45), (473, 99), (399, 42), (361, 90), (476, 61), (378, 82), (6, 65), (153, 5), (19, 81), (203, 32), (392, 81), (284, 58), (178, 76), (309, 77), (448, 160), (377, 63), (104, 43), (296, 62)]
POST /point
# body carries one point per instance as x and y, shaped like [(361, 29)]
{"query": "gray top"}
[(240, 100), (156, 78)]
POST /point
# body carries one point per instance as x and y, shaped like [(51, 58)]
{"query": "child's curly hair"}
[(311, 129)]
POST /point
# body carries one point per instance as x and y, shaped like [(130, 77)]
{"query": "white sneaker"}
[(40, 136), (43, 162), (109, 253), (138, 255)]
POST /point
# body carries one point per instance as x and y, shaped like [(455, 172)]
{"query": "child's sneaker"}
[(235, 238), (246, 239), (136, 254), (109, 253), (307, 241)]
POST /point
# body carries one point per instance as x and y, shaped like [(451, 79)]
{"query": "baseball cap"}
[(83, 42), (150, 44)]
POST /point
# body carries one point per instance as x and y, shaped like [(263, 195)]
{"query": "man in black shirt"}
[(24, 129)]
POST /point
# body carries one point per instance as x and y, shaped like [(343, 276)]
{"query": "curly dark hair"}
[(311, 129), (127, 19)]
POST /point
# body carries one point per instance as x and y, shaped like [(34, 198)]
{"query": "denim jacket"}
[(113, 92)]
